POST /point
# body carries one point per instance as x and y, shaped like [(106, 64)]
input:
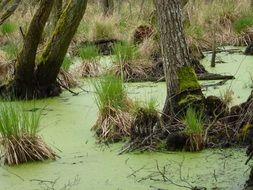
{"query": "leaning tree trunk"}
[(23, 84), (56, 13), (108, 7), (53, 56), (183, 88)]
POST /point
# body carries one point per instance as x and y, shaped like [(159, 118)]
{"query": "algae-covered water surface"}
[(84, 164)]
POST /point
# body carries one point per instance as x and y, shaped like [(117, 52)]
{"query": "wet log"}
[(202, 77), (212, 76)]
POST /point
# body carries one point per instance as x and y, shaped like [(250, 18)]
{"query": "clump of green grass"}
[(242, 23), (90, 66), (7, 28), (11, 50), (19, 140), (125, 51), (128, 64), (89, 52), (194, 129), (103, 30), (114, 119), (67, 62), (110, 93)]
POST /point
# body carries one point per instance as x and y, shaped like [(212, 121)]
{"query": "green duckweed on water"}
[(66, 125)]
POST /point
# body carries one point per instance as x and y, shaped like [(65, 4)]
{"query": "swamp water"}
[(86, 165)]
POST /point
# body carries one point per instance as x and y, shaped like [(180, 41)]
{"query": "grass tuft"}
[(114, 119), (19, 140), (67, 62), (7, 28), (11, 50), (193, 121), (89, 52), (125, 52)]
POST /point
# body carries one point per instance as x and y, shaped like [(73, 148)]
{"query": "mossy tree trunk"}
[(108, 7), (56, 13), (56, 49), (183, 88), (38, 79), (24, 81)]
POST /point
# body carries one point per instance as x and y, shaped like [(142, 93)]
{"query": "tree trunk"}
[(24, 76), (183, 89), (53, 56), (108, 7), (56, 13)]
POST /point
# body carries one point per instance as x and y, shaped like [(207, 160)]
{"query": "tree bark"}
[(24, 76), (108, 7), (54, 54), (56, 13), (183, 88)]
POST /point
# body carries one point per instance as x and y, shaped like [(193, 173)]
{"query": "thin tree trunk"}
[(183, 88), (57, 47), (24, 76)]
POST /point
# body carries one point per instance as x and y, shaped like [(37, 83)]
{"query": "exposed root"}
[(145, 132), (18, 150)]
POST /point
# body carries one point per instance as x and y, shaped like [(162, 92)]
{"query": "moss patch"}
[(187, 79)]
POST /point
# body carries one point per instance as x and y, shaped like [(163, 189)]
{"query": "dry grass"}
[(219, 17), (17, 150), (113, 126), (19, 138)]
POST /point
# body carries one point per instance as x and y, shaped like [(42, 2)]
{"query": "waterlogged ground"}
[(238, 65), (86, 165)]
